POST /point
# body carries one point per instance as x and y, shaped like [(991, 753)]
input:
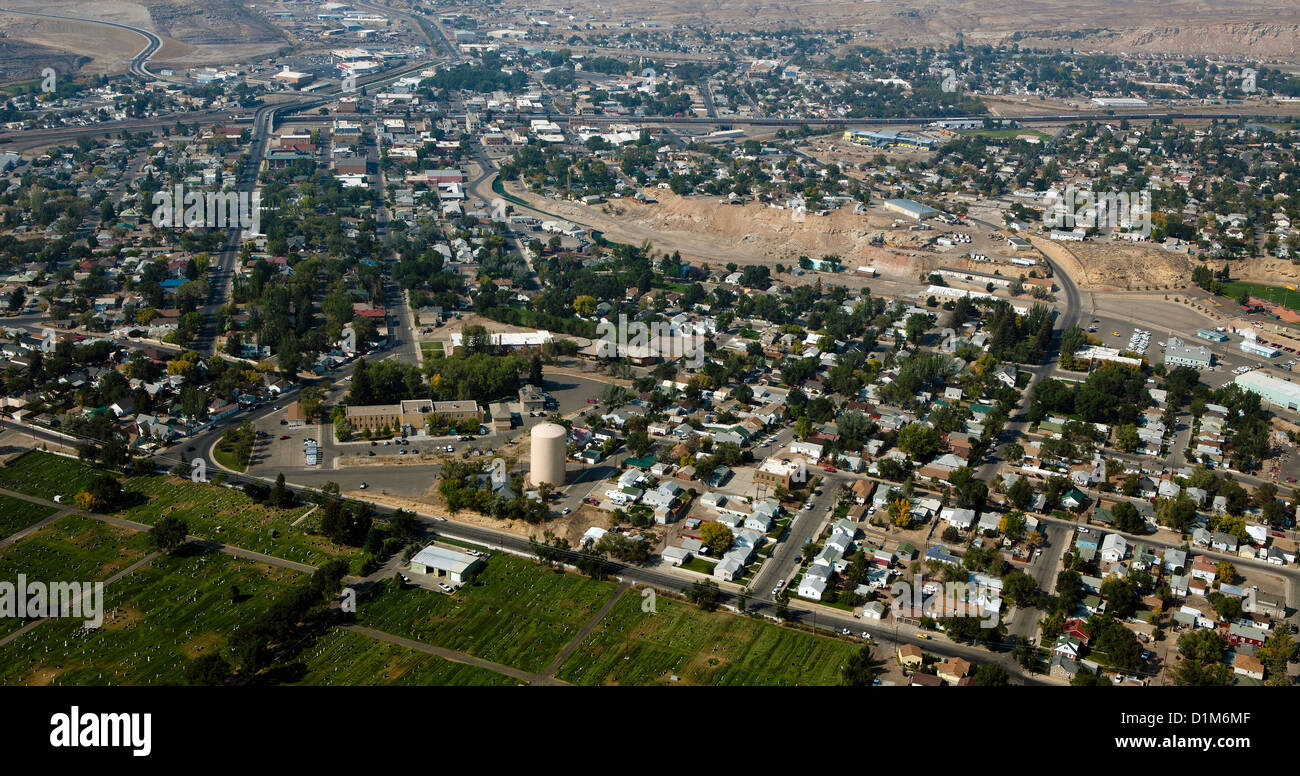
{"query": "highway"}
[(139, 64)]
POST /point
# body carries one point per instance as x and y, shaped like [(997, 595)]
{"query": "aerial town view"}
[(673, 343)]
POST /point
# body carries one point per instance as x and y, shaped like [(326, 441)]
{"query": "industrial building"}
[(547, 454), (1212, 335), (1256, 349), (1271, 390), (910, 208), (1179, 353)]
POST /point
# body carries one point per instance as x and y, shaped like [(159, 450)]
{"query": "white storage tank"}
[(547, 464)]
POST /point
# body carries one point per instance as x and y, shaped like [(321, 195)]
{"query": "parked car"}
[(285, 436), (364, 486), (444, 587)]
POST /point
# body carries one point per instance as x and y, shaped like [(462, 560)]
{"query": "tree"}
[(638, 443), (900, 512), (1128, 519), (704, 595), (857, 671), (919, 440), (1021, 493), (716, 536), (1126, 437), (1225, 572), (1276, 653), (168, 533), (991, 675), (207, 671), (280, 495)]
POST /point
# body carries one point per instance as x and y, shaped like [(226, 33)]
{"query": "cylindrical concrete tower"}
[(549, 441)]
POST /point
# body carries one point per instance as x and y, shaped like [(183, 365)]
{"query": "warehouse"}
[(1280, 393), (910, 208), (1256, 349), (441, 562)]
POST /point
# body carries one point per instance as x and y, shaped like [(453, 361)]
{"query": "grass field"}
[(1277, 294), (516, 612), (632, 647), (227, 457), (233, 518), (46, 475), (155, 621), (74, 548), (16, 514), (1010, 133), (342, 657)]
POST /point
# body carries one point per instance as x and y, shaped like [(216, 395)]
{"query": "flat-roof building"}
[(1179, 353), (442, 562), (910, 208), (1277, 392)]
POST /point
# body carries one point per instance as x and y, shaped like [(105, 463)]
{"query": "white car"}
[(363, 486), (444, 587)]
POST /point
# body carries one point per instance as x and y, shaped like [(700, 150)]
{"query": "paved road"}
[(139, 63)]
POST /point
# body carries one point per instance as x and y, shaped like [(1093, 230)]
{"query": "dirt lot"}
[(704, 230), (1112, 267), (571, 526)]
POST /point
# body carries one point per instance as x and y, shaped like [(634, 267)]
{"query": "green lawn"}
[(155, 621), (228, 457), (1276, 294), (16, 514), (632, 647), (229, 516), (74, 548), (342, 657), (516, 612), (46, 475), (1008, 133)]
